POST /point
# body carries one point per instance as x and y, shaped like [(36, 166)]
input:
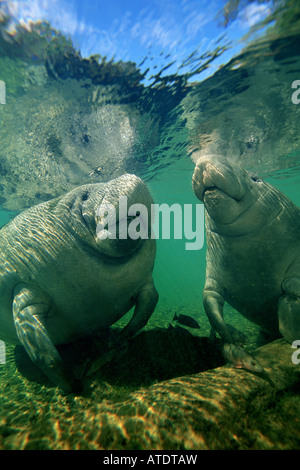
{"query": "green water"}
[(69, 121), (173, 259)]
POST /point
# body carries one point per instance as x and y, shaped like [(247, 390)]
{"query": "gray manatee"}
[(253, 249), (60, 282)]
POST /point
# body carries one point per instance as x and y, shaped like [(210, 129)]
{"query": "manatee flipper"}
[(213, 302), (145, 304), (238, 336), (30, 309), (289, 309), (146, 301)]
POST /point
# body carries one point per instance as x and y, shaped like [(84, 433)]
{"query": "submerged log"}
[(144, 399)]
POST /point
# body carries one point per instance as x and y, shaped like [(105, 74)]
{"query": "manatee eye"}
[(255, 178), (85, 196), (86, 138)]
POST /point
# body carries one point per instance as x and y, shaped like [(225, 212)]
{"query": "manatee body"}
[(60, 281), (253, 249)]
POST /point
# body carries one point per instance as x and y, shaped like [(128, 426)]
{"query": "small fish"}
[(240, 358), (186, 320)]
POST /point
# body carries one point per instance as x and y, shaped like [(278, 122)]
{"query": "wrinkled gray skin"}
[(253, 249), (60, 282)]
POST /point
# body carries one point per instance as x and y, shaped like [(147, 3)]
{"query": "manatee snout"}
[(125, 206), (214, 173), (205, 176)]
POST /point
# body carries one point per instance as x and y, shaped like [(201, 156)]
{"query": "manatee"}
[(60, 282), (253, 249)]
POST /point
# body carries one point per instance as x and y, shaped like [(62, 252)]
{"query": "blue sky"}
[(133, 29)]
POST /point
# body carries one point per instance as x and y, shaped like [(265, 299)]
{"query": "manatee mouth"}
[(115, 241), (212, 176), (214, 191), (120, 250), (210, 189)]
